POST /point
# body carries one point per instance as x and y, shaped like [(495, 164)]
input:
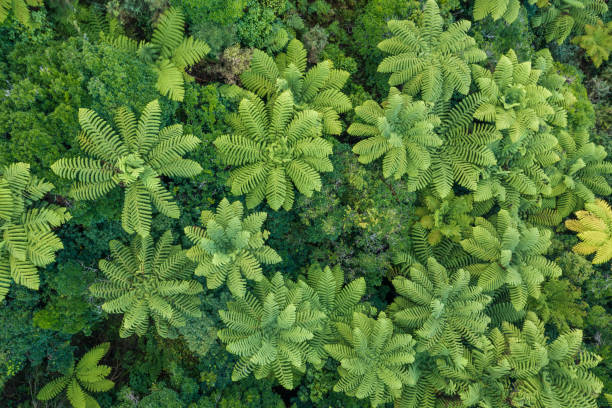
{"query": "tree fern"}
[(580, 175), (337, 300), (169, 52), (512, 255), (594, 228), (506, 9), (134, 158), (514, 101), (275, 148), (86, 376), (520, 178), (445, 311), (447, 218), (485, 380), (318, 88), (427, 60), (19, 8), (559, 18), (465, 150), (147, 281), (373, 358), (27, 240), (550, 374), (271, 331), (596, 41), (400, 130), (230, 248)]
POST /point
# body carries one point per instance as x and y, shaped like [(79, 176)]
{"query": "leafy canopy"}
[(134, 158), (230, 248), (275, 148), (27, 240), (427, 60), (86, 376), (147, 281)]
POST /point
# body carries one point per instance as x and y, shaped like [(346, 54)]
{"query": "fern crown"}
[(373, 358), (276, 148), (318, 88), (512, 255), (515, 101), (594, 228), (401, 130), (437, 305), (230, 248), (86, 376), (147, 281), (134, 158), (27, 240), (427, 60), (536, 363), (272, 331)]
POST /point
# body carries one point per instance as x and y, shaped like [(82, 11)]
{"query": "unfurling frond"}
[(133, 158)]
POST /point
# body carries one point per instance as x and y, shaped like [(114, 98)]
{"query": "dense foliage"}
[(305, 203)]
